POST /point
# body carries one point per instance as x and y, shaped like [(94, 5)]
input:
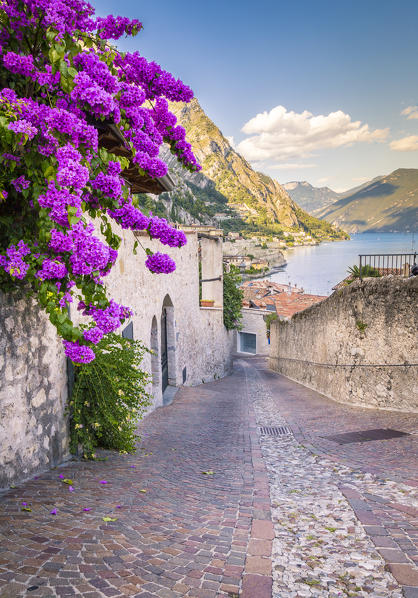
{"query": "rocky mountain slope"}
[(228, 192), (387, 204), (311, 198)]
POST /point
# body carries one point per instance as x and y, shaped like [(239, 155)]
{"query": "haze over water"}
[(318, 268)]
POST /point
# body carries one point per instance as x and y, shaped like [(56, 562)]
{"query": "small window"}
[(248, 342)]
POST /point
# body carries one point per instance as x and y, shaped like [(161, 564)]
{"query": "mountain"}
[(228, 191), (386, 204), (311, 198)]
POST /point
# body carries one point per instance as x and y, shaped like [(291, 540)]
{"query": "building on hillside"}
[(260, 265), (243, 262), (261, 299), (189, 343)]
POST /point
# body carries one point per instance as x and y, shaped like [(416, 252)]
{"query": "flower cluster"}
[(158, 228), (78, 353), (160, 263), (13, 261), (20, 183), (51, 269), (67, 84)]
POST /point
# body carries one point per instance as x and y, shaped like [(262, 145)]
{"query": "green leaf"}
[(209, 472), (49, 171), (109, 518), (72, 72), (60, 50), (68, 481), (53, 56), (73, 220), (63, 67), (62, 317), (51, 34)]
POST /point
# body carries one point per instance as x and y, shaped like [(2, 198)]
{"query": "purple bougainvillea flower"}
[(132, 466), (24, 504), (53, 512), (103, 481), (86, 509), (118, 506), (70, 488), (61, 476)]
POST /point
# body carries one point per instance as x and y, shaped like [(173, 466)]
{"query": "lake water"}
[(318, 268)]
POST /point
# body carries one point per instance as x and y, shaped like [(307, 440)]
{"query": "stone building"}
[(261, 299), (190, 345)]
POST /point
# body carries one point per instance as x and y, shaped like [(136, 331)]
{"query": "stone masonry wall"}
[(33, 391), (198, 340), (373, 322)]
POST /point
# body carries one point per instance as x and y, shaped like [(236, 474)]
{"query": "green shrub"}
[(233, 296), (268, 320), (109, 397), (366, 271), (361, 326)]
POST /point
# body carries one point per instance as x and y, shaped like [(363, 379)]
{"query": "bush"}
[(109, 397), (366, 272), (233, 296), (268, 320)]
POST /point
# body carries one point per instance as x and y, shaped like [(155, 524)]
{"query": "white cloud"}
[(280, 135), (411, 112), (405, 144), (324, 179), (292, 166)]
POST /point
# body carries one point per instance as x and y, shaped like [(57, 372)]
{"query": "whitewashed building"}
[(190, 345)]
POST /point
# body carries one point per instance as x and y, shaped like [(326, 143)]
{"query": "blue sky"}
[(355, 60)]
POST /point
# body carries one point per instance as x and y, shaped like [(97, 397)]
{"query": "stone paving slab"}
[(383, 489), (177, 531)]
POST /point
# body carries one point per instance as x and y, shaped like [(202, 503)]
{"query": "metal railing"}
[(384, 264)]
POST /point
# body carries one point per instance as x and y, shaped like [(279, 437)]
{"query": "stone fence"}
[(358, 346), (33, 391)]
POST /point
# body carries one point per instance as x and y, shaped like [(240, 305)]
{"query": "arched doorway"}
[(164, 350), (168, 345), (155, 358)]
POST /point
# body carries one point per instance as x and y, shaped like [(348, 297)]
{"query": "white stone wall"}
[(253, 323), (33, 391), (198, 340), (33, 381), (369, 330)]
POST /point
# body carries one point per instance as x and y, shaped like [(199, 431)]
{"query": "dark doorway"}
[(164, 350)]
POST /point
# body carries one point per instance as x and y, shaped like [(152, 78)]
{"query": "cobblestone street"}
[(209, 507)]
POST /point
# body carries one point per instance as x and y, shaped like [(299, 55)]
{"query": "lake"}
[(318, 268)]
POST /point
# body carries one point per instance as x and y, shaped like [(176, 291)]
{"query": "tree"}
[(233, 296), (61, 81)]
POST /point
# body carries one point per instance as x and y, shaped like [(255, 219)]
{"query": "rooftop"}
[(285, 300)]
